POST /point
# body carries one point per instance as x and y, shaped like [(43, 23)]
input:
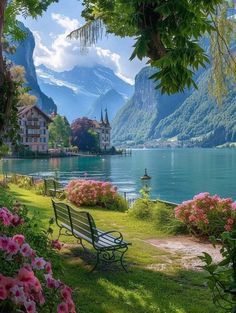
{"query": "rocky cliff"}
[(193, 115), (137, 120), (24, 56)]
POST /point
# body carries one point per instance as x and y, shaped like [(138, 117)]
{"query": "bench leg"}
[(122, 259), (81, 242), (111, 258), (60, 233), (97, 262)]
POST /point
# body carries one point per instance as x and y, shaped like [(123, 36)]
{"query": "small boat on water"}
[(145, 176)]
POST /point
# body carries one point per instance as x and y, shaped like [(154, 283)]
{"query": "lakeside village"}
[(42, 135)]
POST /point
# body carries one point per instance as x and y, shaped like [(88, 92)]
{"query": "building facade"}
[(33, 124), (104, 132), (103, 128)]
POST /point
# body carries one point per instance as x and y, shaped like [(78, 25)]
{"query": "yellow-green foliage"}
[(223, 60), (39, 187), (22, 181)]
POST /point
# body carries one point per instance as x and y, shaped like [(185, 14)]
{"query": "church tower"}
[(106, 118), (105, 132)]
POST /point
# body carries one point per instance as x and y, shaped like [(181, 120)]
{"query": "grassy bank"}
[(146, 288)]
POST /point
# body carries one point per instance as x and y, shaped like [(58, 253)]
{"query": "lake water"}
[(177, 174)]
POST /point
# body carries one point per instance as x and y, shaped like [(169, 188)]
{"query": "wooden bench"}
[(110, 246), (52, 187)]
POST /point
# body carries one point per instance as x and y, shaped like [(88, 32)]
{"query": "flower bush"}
[(22, 181), (24, 286), (91, 193), (27, 282), (207, 215)]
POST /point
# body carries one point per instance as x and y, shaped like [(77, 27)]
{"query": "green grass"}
[(172, 290)]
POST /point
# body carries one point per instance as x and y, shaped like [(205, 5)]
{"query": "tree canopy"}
[(84, 136), (167, 32), (59, 132)]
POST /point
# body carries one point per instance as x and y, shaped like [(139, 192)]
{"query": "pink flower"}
[(192, 218), (71, 306), (51, 282), (38, 263), (17, 220), (228, 227), (48, 267), (230, 221), (201, 196), (18, 295), (3, 243), (12, 247), (25, 250), (19, 239), (26, 276), (9, 282), (3, 293), (233, 205), (66, 293), (56, 244), (30, 307), (62, 308), (41, 298)]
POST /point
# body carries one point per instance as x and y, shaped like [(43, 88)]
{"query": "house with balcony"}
[(33, 124)]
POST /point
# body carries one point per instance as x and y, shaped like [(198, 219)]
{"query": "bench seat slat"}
[(80, 235), (102, 243)]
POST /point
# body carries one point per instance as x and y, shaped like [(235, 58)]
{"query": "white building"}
[(103, 129), (33, 124)]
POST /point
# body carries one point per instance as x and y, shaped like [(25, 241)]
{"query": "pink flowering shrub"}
[(27, 279), (92, 192), (207, 215), (31, 287), (9, 219)]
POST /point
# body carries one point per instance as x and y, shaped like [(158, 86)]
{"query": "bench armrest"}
[(118, 239)]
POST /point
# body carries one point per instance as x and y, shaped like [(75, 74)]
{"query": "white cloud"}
[(64, 54), (64, 21)]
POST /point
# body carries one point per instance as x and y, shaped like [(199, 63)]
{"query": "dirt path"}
[(184, 252)]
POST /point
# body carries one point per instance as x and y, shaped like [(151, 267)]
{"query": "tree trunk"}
[(5, 99), (3, 4)]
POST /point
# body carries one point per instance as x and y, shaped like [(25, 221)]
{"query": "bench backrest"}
[(79, 221), (51, 183)]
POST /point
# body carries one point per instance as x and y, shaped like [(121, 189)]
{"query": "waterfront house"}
[(33, 124)]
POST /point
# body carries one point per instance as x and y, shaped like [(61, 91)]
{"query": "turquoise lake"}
[(177, 174)]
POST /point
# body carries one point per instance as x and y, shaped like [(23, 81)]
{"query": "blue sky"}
[(58, 53)]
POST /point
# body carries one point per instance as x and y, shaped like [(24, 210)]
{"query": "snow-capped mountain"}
[(76, 91)]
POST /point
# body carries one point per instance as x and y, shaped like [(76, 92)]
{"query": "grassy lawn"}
[(142, 290)]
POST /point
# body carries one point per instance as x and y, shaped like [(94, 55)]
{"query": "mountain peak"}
[(75, 91)]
